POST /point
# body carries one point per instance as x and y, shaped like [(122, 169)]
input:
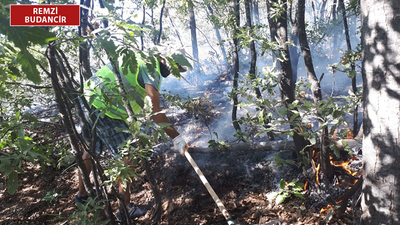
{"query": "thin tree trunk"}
[(176, 30), (211, 11), (253, 62), (142, 32), (380, 36), (326, 167), (352, 65), (255, 12), (236, 11), (84, 64), (161, 23)]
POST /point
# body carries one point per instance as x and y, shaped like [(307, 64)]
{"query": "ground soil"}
[(246, 182)]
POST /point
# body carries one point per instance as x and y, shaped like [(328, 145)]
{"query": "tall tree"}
[(193, 34), (253, 60), (277, 20), (326, 167), (381, 121), (216, 28), (351, 73), (236, 24)]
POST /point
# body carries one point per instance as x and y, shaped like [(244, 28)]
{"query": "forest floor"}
[(246, 181)]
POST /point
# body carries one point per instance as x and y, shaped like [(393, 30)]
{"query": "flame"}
[(317, 173), (344, 165), (328, 207), (176, 123), (199, 128), (349, 134), (305, 185)]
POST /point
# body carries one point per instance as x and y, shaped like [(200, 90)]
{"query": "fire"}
[(305, 185), (317, 168), (344, 165), (349, 134), (328, 207), (176, 123), (199, 128)]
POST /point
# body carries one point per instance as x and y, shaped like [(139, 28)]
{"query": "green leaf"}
[(298, 194), (12, 183), (281, 198), (282, 184), (181, 60), (24, 37)]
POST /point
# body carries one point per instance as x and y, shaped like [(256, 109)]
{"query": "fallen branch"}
[(248, 146), (266, 146), (347, 195)]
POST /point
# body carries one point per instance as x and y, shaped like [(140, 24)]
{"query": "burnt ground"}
[(246, 182)]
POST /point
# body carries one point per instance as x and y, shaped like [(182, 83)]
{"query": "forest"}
[(250, 112)]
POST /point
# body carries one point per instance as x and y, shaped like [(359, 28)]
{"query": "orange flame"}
[(176, 123), (305, 185), (317, 173), (344, 165), (349, 134), (328, 207)]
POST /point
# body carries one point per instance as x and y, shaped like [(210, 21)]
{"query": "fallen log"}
[(247, 146), (266, 146)]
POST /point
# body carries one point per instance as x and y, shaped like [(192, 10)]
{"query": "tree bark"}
[(193, 35), (278, 28), (211, 11), (84, 64), (381, 121), (326, 167), (236, 12), (352, 66), (161, 23), (253, 62)]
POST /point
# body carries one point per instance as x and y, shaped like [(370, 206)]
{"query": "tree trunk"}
[(142, 32), (255, 12), (353, 66), (236, 12), (326, 167), (211, 11), (84, 64), (253, 62), (193, 35), (278, 28), (161, 23), (381, 82)]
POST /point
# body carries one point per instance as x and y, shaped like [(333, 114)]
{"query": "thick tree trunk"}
[(381, 81), (236, 11), (193, 35), (278, 28), (326, 167)]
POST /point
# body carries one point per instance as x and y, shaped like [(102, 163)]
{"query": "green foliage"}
[(25, 38), (16, 148), (219, 145), (88, 213), (51, 197), (288, 190)]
